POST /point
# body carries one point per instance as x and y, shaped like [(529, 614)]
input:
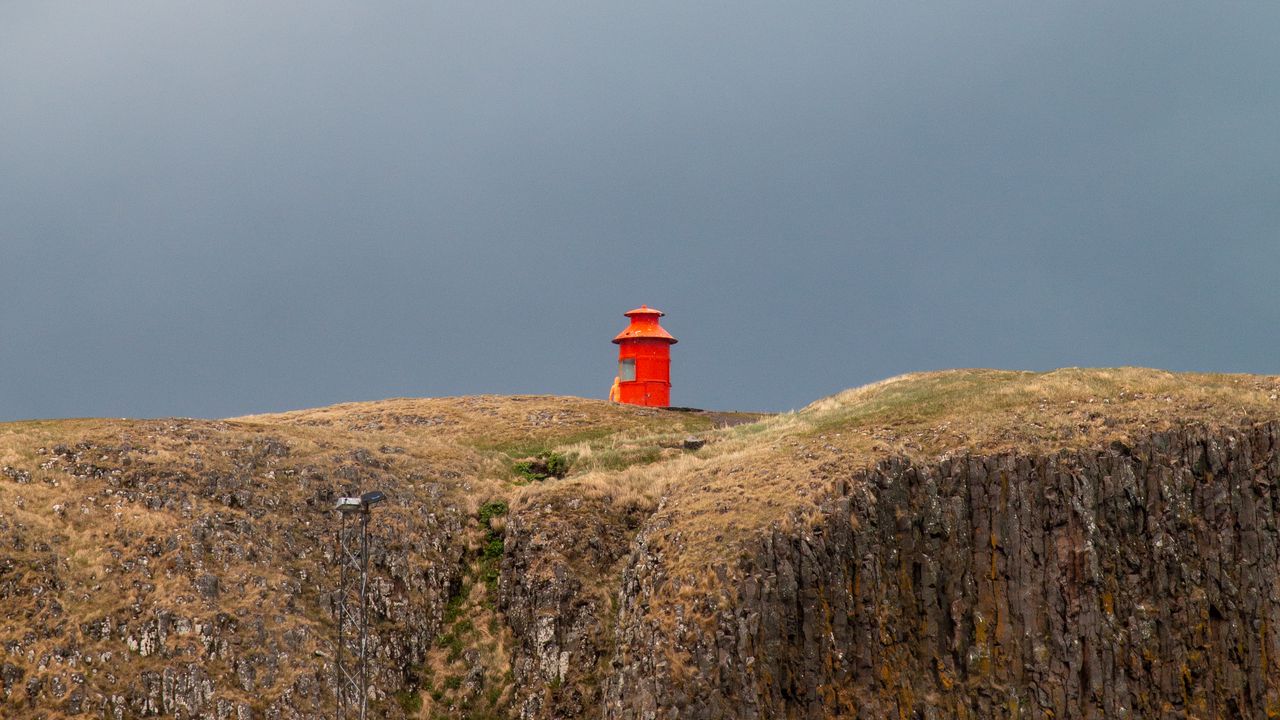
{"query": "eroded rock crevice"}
[(560, 564)]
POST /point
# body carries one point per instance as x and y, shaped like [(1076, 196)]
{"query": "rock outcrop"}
[(1126, 582), (189, 591), (970, 544), (559, 566)]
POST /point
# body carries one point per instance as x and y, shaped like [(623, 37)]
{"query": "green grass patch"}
[(454, 607), (490, 564), (410, 701), (612, 459), (491, 510), (524, 448), (544, 465)]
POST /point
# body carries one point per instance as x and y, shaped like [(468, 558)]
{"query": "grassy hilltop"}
[(166, 565)]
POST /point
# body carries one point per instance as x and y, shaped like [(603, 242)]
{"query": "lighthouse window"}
[(627, 369)]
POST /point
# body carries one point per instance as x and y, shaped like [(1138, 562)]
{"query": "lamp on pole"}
[(352, 606)]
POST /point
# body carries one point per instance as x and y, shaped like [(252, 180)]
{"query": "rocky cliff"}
[(1083, 543), (1123, 582)]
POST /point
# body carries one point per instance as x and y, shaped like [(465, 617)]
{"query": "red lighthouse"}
[(644, 360)]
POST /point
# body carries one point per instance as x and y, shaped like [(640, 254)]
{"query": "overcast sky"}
[(217, 208)]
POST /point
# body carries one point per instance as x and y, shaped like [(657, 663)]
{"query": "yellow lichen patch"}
[(946, 680)]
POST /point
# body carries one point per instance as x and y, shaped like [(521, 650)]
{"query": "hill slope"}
[(966, 543)]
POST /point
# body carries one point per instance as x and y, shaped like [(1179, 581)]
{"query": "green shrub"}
[(489, 575), (491, 550), (491, 510), (546, 464), (557, 464), (410, 701)]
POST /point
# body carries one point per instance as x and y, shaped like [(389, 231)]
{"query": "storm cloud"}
[(212, 209)]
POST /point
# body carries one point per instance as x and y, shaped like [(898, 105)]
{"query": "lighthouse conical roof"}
[(644, 324), (644, 310)]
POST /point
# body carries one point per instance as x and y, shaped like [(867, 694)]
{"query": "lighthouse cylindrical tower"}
[(644, 360)]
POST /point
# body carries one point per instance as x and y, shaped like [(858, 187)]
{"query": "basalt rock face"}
[(1125, 582), (210, 587), (558, 562)]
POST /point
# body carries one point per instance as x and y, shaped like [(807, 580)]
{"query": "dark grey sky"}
[(216, 208)]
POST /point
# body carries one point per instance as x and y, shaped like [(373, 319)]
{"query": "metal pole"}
[(340, 600), (364, 612), (348, 678), (351, 696)]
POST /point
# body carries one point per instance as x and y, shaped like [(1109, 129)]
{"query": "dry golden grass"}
[(97, 517), (458, 453), (488, 421), (764, 473)]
